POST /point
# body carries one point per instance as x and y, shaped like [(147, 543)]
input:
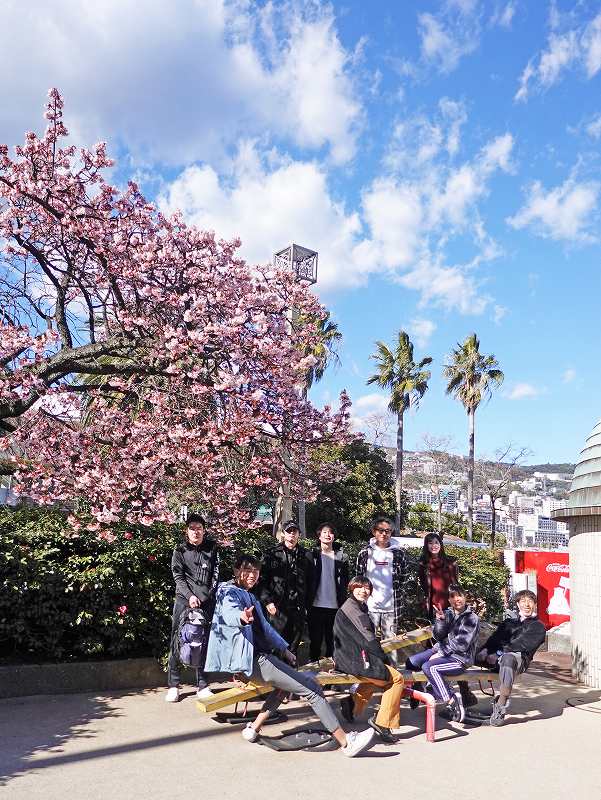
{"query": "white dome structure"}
[(583, 515)]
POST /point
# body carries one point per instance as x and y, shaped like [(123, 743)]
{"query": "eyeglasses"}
[(383, 530)]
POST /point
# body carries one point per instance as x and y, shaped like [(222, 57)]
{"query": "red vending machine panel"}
[(552, 582)]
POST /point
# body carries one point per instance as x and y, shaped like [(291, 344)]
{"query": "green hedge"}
[(65, 597), (80, 597)]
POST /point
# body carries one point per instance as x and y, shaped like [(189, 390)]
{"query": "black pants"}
[(321, 626)]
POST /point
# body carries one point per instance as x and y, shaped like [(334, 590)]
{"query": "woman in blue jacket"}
[(242, 641)]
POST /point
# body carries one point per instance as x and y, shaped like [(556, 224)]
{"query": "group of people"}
[(255, 623)]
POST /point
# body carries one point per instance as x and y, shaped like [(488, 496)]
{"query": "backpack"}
[(192, 637)]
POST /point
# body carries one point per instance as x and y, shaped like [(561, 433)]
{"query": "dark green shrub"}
[(68, 597)]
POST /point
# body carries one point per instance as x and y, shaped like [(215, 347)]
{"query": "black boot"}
[(468, 698), (419, 687)]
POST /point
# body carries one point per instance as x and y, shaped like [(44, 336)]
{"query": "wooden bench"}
[(322, 672)]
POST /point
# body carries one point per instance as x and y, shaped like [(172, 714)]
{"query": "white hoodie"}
[(379, 571)]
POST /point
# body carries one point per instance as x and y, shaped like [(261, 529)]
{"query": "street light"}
[(302, 262)]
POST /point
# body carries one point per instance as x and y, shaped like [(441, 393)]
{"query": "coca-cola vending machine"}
[(551, 570)]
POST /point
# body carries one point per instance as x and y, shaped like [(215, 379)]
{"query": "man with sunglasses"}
[(384, 562)]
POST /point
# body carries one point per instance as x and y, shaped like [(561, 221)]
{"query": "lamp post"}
[(302, 262)]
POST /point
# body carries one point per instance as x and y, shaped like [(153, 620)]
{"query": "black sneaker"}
[(413, 703), (347, 708), (455, 709), (385, 734), (468, 698)]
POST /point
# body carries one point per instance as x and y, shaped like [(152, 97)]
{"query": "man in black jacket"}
[(284, 586), (510, 649), (195, 568)]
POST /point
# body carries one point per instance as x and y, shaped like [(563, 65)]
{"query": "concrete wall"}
[(20, 680), (585, 599)]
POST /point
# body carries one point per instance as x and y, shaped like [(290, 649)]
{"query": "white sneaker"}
[(172, 695), (357, 742), (249, 733), (204, 694)]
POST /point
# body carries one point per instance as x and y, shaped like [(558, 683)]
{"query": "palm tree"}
[(407, 383), (324, 351), (471, 376)]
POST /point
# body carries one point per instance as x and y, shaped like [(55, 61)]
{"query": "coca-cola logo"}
[(558, 568)]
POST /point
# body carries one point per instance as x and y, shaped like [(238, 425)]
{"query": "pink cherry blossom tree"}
[(143, 365)]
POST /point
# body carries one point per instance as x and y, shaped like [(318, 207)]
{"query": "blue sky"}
[(442, 157)]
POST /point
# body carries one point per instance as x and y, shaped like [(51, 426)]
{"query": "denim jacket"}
[(231, 645)]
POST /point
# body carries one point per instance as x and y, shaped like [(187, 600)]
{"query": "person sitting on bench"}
[(242, 641), (510, 649), (358, 652), (456, 634)]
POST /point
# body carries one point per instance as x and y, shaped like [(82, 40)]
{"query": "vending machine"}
[(547, 574)]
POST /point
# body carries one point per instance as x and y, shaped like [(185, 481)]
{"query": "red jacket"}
[(437, 574)]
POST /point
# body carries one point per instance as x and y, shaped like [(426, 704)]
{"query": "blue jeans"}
[(434, 666), (269, 669)]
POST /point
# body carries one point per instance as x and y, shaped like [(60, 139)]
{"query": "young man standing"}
[(195, 568), (327, 591), (510, 649), (242, 641), (384, 562), (285, 579)]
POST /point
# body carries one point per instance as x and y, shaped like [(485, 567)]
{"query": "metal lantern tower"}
[(302, 262)]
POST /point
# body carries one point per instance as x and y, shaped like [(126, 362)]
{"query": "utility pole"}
[(303, 263)]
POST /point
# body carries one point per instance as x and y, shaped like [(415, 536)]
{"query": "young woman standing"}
[(437, 571)]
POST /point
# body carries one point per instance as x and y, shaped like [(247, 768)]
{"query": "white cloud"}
[(503, 16), (579, 46), (400, 229), (270, 206), (569, 375), (594, 127), (523, 390), (499, 312), (591, 42), (444, 40), (369, 403), (370, 415), (561, 52), (182, 81), (562, 213), (450, 287), (421, 330)]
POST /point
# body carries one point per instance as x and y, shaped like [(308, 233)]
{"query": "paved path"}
[(134, 745)]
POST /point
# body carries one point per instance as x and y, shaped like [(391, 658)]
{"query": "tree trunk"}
[(470, 475), (398, 482), (493, 526), (302, 524)]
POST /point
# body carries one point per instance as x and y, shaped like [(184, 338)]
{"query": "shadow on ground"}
[(24, 731)]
